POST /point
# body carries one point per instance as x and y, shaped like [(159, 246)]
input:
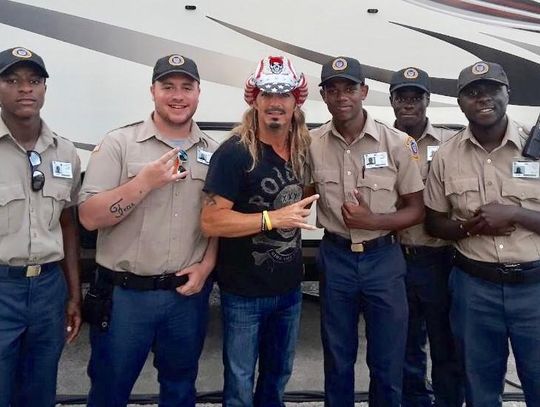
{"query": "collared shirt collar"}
[(429, 131), (149, 130), (369, 128), (46, 136), (511, 134)]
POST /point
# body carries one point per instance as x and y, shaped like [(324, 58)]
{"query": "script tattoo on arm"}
[(119, 210), (209, 200)]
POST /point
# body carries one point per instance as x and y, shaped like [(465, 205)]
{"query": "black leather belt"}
[(507, 273), (362, 246), (132, 281), (27, 271), (411, 252)]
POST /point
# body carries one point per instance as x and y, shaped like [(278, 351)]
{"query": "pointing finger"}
[(307, 201)]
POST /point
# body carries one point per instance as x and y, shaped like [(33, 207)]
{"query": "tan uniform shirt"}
[(464, 176), (338, 168), (428, 144), (30, 231), (162, 234)]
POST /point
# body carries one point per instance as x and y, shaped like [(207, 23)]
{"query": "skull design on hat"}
[(276, 74)]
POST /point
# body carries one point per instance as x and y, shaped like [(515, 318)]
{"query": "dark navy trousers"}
[(485, 318), (173, 326), (32, 335), (428, 269), (372, 283)]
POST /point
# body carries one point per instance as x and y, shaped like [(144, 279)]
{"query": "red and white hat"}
[(276, 75)]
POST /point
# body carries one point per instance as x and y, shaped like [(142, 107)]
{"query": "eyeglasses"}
[(38, 178), (182, 158)]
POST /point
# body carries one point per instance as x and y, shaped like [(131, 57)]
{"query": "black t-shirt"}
[(267, 263)]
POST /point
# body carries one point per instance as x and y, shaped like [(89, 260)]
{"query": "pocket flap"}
[(377, 182), (461, 185), (10, 193), (521, 189), (58, 191), (134, 168), (198, 171), (322, 176)]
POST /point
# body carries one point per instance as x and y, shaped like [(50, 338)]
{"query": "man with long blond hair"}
[(254, 204)]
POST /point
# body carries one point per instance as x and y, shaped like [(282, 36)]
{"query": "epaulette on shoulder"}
[(384, 124), (450, 127), (320, 131), (127, 125), (71, 142)]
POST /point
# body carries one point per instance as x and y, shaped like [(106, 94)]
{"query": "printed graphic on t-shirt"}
[(282, 246)]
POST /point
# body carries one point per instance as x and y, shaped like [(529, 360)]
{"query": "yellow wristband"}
[(267, 220)]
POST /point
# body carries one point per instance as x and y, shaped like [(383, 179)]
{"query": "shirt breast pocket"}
[(328, 185), (379, 192), (59, 194), (522, 192), (12, 207), (198, 172), (464, 194), (133, 168)]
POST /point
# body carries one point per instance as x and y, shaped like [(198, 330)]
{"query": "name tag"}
[(525, 169), (203, 156), (431, 150), (376, 160), (61, 169)]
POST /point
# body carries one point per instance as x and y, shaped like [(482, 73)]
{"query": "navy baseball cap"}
[(175, 64), (482, 71), (13, 56), (342, 67), (410, 77)]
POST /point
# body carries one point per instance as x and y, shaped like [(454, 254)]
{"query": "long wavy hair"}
[(299, 139)]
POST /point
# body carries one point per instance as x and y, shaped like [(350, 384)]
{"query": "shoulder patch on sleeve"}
[(413, 147)]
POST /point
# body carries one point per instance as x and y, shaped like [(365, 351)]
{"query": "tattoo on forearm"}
[(118, 210), (209, 200)]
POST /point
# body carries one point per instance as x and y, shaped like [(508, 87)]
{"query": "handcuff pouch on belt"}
[(97, 303)]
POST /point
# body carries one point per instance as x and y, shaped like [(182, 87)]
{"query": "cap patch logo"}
[(176, 60), (410, 73), (276, 65), (21, 53), (480, 68), (339, 64)]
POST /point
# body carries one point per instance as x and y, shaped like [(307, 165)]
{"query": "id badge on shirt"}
[(431, 150), (61, 169), (375, 160), (203, 156), (525, 169)]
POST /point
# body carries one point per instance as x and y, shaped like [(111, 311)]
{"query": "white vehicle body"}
[(100, 53)]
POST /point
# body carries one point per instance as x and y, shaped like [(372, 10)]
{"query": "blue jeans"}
[(372, 283), (429, 308), (264, 328), (32, 335), (484, 317), (173, 326)]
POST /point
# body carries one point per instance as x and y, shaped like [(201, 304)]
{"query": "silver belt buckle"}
[(33, 271), (357, 247)]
